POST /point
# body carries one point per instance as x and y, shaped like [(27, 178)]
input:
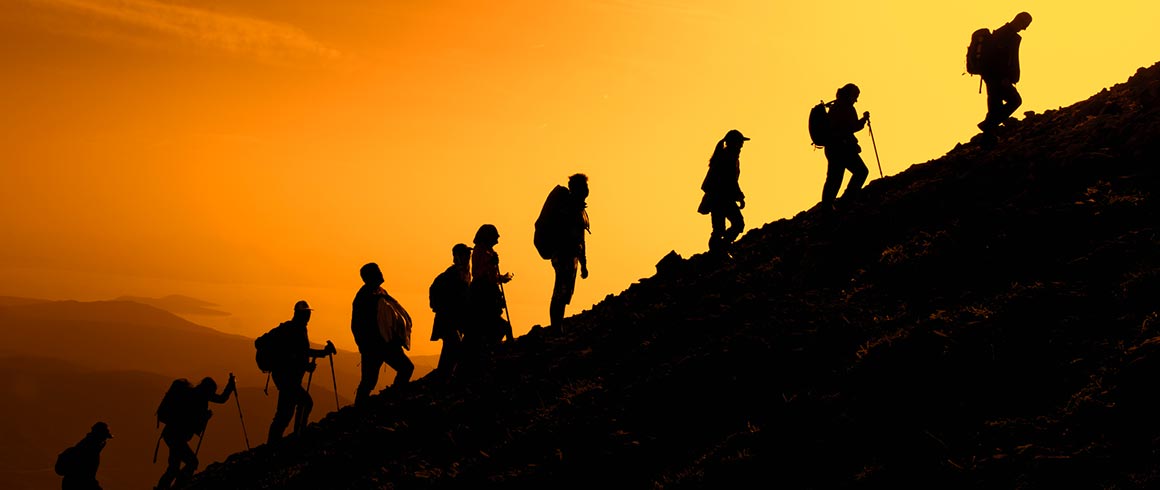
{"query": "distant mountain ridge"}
[(179, 304), (66, 364), (982, 320)]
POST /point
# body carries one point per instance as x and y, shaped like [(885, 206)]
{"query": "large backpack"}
[(979, 52), (178, 408), (271, 351), (547, 236), (65, 461), (821, 131)]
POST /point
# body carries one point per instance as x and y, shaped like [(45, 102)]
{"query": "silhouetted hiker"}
[(487, 326), (723, 199), (1000, 71), (382, 329), (185, 411), (559, 237), (78, 464), (295, 358), (842, 150), (449, 296)]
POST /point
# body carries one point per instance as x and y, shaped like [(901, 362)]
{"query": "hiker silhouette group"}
[(468, 297)]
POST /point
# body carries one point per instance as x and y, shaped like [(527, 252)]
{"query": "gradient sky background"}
[(256, 152)]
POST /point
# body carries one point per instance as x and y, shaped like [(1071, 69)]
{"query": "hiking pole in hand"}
[(243, 419), (872, 142), (333, 379), (200, 437), (507, 312)]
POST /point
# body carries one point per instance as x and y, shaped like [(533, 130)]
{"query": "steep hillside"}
[(984, 320)]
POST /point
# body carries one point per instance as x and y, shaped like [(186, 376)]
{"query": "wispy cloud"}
[(231, 33)]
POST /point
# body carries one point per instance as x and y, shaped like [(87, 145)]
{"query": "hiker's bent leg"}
[(736, 224), (834, 173), (173, 467), (398, 360), (1011, 101), (717, 218), (284, 411), (858, 174), (302, 415), (370, 375)]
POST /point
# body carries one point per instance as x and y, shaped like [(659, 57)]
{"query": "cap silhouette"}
[(302, 306)]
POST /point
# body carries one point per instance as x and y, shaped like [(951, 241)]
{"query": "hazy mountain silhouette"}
[(178, 304), (987, 319), (66, 364)]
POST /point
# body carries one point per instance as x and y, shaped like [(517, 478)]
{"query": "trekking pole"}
[(240, 417), (200, 437), (871, 128), (156, 448), (335, 381), (309, 379), (507, 312)]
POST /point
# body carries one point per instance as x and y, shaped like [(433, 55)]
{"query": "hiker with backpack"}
[(78, 464), (185, 411), (382, 330), (449, 296), (487, 326), (723, 199), (842, 149), (559, 237), (292, 357), (996, 58)]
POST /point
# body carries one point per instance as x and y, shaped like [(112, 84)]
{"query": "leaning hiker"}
[(297, 358), (382, 330), (1001, 72), (842, 151), (448, 296), (78, 464), (723, 199), (185, 411)]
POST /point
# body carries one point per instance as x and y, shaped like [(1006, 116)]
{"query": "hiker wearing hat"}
[(842, 152), (448, 296), (382, 330), (487, 325), (294, 401), (723, 199), (185, 411), (78, 464)]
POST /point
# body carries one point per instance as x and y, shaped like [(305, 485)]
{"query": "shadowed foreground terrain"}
[(984, 320)]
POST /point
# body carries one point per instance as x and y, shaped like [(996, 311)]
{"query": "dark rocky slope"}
[(984, 320)]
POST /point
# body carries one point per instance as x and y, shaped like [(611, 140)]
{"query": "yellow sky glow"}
[(257, 152)]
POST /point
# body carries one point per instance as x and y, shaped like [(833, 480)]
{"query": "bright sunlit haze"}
[(253, 153)]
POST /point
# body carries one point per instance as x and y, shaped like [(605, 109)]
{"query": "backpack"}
[(175, 403), (548, 227), (270, 349), (65, 461), (819, 125), (394, 322), (979, 52)]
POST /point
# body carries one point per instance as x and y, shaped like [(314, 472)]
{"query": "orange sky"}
[(256, 152)]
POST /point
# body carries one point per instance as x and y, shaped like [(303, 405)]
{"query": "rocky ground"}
[(988, 319)]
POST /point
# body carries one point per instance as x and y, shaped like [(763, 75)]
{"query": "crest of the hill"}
[(987, 319)]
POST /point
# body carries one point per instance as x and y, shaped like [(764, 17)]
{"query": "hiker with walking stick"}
[(842, 150), (292, 358), (382, 331), (487, 326), (185, 411)]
